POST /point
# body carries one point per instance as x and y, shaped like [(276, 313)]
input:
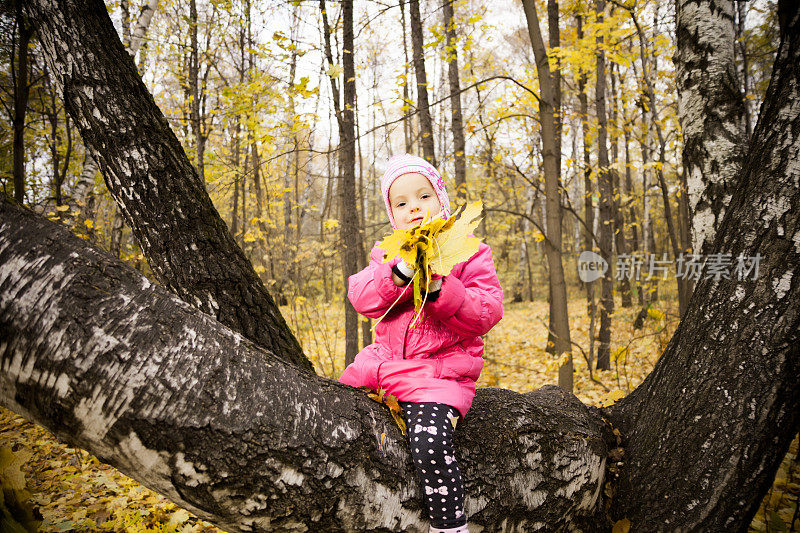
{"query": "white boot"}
[(459, 529)]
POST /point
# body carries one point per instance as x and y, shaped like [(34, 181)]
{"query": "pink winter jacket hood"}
[(440, 358)]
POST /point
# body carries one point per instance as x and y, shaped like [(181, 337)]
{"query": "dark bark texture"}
[(425, 122), (163, 200), (350, 232), (457, 125), (114, 364), (708, 428), (21, 94), (606, 189)]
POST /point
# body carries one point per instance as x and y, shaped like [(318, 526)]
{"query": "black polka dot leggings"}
[(430, 434)]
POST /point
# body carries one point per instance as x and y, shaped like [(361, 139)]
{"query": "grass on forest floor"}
[(73, 490)]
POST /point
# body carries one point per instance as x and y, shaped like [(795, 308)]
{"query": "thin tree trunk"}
[(632, 216), (425, 122), (349, 231), (194, 91), (21, 93), (408, 133), (620, 240), (741, 40), (682, 282), (457, 122), (606, 199), (588, 192), (235, 196), (558, 292)]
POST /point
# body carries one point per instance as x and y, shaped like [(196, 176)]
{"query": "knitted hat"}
[(407, 164)]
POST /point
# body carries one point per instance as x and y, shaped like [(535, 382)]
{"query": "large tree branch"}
[(116, 365), (186, 242)]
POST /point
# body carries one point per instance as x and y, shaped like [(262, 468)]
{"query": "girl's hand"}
[(402, 273), (435, 284)]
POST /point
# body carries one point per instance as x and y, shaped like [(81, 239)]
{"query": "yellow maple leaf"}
[(611, 398), (456, 243)]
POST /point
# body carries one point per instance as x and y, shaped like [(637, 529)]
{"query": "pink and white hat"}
[(407, 164)]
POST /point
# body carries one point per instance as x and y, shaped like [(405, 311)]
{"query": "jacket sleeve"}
[(472, 303), (372, 290)]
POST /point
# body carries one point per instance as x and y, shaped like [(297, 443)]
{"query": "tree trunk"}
[(620, 241), (21, 93), (711, 111), (588, 193), (230, 432), (457, 123), (194, 92), (606, 193), (425, 123), (741, 40), (349, 232), (557, 286), (407, 117), (707, 429), (162, 198)]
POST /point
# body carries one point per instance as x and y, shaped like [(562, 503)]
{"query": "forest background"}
[(257, 94)]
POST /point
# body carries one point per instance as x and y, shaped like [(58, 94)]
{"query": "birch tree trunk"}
[(711, 112), (588, 193), (161, 196), (83, 192)]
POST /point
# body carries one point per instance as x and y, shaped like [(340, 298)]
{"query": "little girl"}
[(432, 367)]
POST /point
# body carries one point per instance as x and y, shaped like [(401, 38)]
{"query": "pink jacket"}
[(440, 358)]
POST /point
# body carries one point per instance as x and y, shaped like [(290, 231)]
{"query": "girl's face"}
[(410, 197)]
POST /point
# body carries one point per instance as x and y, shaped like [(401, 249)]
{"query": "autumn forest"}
[(615, 147)]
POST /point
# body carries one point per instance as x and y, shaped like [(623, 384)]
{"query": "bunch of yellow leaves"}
[(391, 402), (434, 248)]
